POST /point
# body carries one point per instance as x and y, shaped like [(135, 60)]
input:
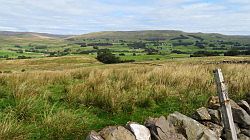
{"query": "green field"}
[(146, 45), (59, 90), (67, 97)]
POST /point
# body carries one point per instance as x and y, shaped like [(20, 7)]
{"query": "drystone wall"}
[(205, 124)]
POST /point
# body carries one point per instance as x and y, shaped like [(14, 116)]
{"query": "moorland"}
[(53, 87)]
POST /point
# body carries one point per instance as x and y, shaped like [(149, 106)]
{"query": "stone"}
[(94, 136), (237, 128), (215, 116), (214, 127), (245, 132), (202, 114), (140, 131), (242, 137), (213, 102), (160, 129), (190, 128), (116, 133), (240, 116), (243, 104)]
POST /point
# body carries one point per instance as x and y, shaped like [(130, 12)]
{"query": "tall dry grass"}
[(49, 103)]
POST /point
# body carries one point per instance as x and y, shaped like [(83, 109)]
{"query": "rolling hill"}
[(131, 45), (127, 35), (30, 34), (159, 35)]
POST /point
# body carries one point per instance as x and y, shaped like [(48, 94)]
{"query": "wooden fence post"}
[(226, 110)]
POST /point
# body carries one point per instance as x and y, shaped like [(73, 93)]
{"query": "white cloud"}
[(78, 16)]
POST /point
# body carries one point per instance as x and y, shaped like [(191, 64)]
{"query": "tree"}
[(137, 45), (95, 47), (232, 53), (105, 56)]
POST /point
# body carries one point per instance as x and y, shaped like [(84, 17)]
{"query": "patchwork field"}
[(128, 45)]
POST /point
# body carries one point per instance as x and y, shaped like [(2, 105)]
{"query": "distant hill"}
[(131, 35), (8, 38), (158, 35), (30, 34), (151, 35)]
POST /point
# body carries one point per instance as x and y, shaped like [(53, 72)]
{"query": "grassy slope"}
[(56, 43), (164, 34), (68, 103), (49, 63), (66, 97)]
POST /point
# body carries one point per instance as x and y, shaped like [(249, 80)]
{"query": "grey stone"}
[(190, 128), (140, 131), (217, 129), (116, 133), (94, 136), (215, 116), (246, 132), (161, 130), (243, 137), (237, 128), (202, 114), (240, 116), (243, 104), (213, 102)]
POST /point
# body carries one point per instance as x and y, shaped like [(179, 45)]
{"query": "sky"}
[(230, 17)]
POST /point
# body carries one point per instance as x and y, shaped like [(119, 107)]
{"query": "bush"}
[(236, 52), (151, 51), (105, 56), (23, 57), (178, 52), (95, 47), (137, 45), (232, 53), (41, 47), (121, 54), (205, 53)]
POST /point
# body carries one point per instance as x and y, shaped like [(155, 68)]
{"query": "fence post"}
[(226, 110)]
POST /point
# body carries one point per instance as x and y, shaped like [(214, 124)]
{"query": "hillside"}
[(158, 35), (30, 34), (129, 45), (55, 88)]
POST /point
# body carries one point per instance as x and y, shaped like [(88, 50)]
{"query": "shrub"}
[(236, 52), (178, 52), (23, 57), (95, 47), (137, 45), (105, 56), (204, 53), (232, 53), (41, 47)]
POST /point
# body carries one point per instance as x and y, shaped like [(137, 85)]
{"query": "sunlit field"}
[(66, 97)]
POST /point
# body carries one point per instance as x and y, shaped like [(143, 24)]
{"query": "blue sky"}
[(83, 16)]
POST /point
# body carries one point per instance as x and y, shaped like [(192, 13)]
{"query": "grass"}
[(13, 54), (67, 103), (49, 63), (144, 57)]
